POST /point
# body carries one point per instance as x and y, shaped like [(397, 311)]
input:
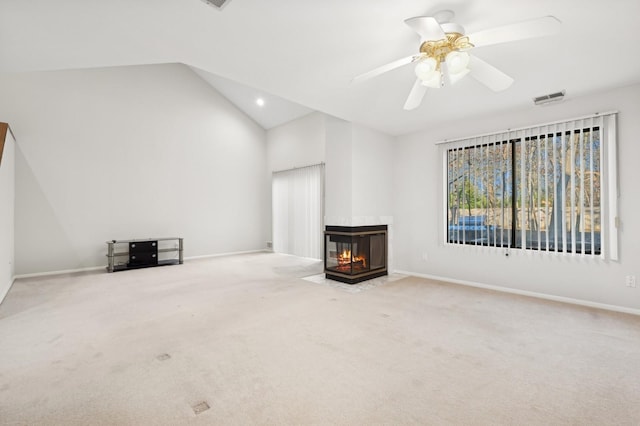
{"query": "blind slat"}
[(546, 192), (537, 215), (591, 192), (562, 201), (582, 179)]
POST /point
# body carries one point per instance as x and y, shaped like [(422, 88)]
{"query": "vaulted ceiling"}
[(307, 51)]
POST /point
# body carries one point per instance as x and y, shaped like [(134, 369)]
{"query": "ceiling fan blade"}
[(382, 69), (539, 27), (488, 75), (427, 26), (415, 96)]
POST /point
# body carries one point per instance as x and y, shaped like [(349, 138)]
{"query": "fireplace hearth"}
[(353, 254)]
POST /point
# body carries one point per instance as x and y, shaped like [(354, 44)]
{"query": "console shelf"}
[(143, 253)]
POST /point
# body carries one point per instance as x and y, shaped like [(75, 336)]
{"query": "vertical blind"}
[(298, 211), (536, 188)]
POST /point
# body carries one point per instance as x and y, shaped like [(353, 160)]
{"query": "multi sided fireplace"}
[(355, 253)]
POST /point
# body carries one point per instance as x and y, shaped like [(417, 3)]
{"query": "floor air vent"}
[(553, 97), (219, 4)]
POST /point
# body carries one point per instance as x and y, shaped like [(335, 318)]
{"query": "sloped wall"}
[(7, 206), (130, 152)]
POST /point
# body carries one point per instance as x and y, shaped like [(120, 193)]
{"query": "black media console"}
[(143, 253)]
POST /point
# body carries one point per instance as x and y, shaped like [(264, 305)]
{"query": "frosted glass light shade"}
[(457, 66), (426, 69), (457, 61), (435, 82)]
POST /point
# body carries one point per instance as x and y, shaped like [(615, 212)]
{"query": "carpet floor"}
[(245, 340)]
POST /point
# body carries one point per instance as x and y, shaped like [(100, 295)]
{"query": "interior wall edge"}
[(11, 282)]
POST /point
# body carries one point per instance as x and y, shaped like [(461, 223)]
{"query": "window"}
[(539, 188)]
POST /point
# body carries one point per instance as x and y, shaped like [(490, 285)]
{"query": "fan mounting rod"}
[(443, 16)]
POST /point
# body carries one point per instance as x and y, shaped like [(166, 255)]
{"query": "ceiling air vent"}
[(545, 99), (219, 4)]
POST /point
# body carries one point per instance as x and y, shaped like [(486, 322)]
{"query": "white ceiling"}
[(275, 110), (307, 51)]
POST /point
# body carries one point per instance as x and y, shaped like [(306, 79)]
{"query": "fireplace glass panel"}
[(378, 246), (347, 255)]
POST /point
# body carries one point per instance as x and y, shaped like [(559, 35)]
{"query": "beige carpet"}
[(251, 340)]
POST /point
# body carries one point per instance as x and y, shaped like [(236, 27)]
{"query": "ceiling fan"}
[(444, 53)]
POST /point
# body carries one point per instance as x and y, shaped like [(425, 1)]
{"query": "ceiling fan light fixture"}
[(426, 69), (443, 58), (456, 77), (457, 65), (457, 62), (435, 82)]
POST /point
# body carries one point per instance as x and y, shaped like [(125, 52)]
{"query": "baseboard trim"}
[(60, 272), (562, 299), (233, 253), (104, 267)]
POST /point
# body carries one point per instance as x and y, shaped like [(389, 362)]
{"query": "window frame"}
[(607, 125)]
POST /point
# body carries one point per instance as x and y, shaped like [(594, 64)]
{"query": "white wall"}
[(372, 187), (417, 201), (130, 152), (298, 143), (338, 172), (359, 170), (7, 206), (372, 176), (359, 175), (358, 166)]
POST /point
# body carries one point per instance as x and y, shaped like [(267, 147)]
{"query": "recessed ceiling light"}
[(260, 102)]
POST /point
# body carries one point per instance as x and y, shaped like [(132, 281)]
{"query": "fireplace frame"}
[(354, 232)]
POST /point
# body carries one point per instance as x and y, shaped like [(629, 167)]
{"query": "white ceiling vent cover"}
[(219, 4), (552, 97)]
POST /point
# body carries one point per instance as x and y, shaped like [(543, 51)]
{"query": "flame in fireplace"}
[(344, 258)]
